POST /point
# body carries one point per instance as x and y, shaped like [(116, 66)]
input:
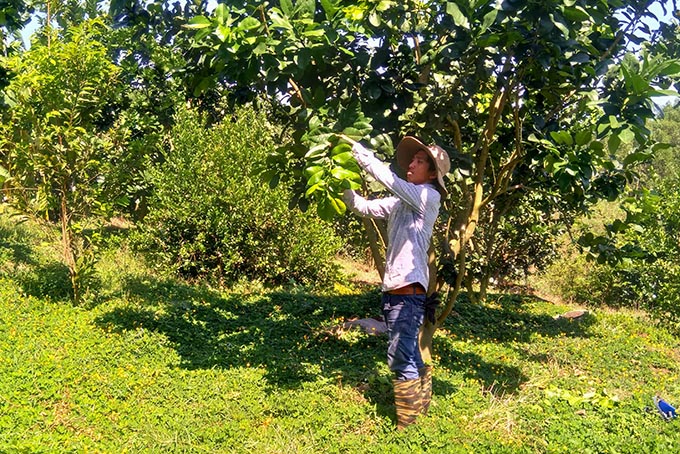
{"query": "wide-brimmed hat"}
[(409, 146)]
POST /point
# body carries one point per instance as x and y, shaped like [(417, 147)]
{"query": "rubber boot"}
[(407, 401), (425, 389)]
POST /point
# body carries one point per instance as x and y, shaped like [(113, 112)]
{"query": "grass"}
[(153, 364)]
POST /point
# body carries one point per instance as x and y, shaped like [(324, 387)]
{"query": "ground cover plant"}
[(153, 364)]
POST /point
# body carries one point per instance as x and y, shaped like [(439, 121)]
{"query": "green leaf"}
[(316, 151), (614, 122), (330, 206), (382, 143), (338, 205), (457, 16), (202, 85), (286, 7), (627, 135), (634, 158), (343, 158), (562, 137), (314, 33), (313, 170), (329, 8), (268, 175), (223, 32), (613, 143), (249, 23), (489, 19), (661, 146), (316, 178), (670, 68), (341, 149), (222, 14), (4, 174), (560, 26), (638, 83), (353, 133), (576, 14), (274, 181), (672, 93), (198, 22), (340, 173), (312, 189), (280, 22), (327, 208), (583, 137), (597, 147), (305, 8)]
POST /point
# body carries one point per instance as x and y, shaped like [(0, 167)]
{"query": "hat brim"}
[(407, 148)]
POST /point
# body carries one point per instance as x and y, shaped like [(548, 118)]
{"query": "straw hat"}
[(409, 146)]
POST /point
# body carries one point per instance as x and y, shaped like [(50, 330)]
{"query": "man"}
[(411, 212)]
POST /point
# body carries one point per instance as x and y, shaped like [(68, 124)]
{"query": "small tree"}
[(55, 139)]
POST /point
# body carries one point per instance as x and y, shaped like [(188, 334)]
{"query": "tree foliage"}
[(665, 166), (525, 96), (56, 139), (211, 216), (14, 14)]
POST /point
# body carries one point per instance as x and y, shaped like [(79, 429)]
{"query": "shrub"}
[(643, 279), (211, 216)]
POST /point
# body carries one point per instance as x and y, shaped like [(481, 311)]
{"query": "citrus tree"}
[(528, 97), (56, 138)]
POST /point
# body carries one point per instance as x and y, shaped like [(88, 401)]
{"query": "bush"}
[(211, 216), (646, 278)]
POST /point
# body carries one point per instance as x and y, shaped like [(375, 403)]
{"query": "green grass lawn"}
[(152, 364)]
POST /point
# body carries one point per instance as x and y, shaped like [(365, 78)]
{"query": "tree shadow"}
[(42, 278), (14, 249), (289, 334), (506, 319), (282, 331)]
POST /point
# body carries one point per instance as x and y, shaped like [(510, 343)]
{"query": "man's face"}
[(419, 169)]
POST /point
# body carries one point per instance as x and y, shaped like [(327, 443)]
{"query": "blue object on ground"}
[(667, 410)]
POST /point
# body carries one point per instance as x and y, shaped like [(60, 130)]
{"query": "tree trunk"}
[(68, 249), (376, 243)]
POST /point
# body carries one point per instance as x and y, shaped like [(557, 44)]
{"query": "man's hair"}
[(431, 163)]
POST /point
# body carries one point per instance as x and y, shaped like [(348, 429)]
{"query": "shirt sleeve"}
[(414, 195), (376, 208)]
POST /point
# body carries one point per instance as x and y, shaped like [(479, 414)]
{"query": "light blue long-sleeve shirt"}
[(411, 212)]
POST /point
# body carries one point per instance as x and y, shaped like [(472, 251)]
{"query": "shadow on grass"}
[(37, 276), (15, 249), (506, 319), (289, 335)]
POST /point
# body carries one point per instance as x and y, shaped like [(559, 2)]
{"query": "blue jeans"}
[(403, 315)]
